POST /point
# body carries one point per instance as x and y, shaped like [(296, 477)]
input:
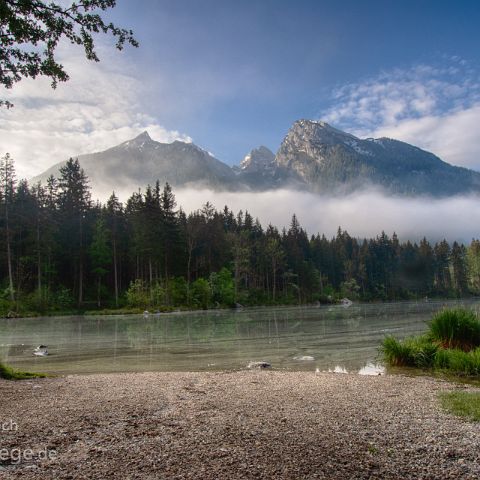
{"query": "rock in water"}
[(41, 351), (259, 365), (304, 358)]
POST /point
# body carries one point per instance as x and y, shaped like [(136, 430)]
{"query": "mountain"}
[(142, 161), (314, 156), (258, 169), (324, 159)]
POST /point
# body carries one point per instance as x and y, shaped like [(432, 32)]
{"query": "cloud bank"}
[(435, 108), (364, 214)]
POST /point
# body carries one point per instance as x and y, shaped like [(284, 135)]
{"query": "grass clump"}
[(412, 352), (397, 353), (463, 404), (452, 345), (456, 328), (458, 362), (9, 373)]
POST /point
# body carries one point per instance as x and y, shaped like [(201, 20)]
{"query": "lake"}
[(342, 339)]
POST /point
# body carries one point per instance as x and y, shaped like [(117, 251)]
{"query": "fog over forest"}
[(362, 214)]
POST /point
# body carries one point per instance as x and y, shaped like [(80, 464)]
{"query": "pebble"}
[(240, 425)]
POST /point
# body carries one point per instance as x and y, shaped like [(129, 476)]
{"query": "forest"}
[(60, 251)]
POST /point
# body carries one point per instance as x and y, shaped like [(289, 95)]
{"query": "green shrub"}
[(35, 302), (63, 298), (9, 373), (456, 328), (178, 291), (223, 287), (201, 293), (137, 295), (157, 296)]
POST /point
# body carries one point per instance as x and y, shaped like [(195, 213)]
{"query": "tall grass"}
[(412, 352), (456, 328), (8, 373), (452, 344), (458, 362)]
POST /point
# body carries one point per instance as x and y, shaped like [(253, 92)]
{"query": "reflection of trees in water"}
[(221, 330)]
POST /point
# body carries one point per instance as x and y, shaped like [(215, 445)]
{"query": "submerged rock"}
[(259, 365), (304, 358), (346, 302), (41, 351)]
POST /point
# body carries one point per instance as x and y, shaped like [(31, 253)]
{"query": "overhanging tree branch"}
[(30, 31)]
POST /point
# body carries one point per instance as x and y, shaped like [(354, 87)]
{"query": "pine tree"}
[(443, 278), (114, 213), (459, 268), (100, 253), (74, 203), (275, 254), (473, 263), (7, 188)]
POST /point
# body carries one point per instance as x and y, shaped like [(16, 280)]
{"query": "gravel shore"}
[(235, 425)]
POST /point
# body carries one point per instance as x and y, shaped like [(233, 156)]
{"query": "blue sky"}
[(233, 75)]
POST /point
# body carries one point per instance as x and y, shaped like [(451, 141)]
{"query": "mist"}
[(363, 214)]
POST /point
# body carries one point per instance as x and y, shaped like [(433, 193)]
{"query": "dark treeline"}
[(60, 250)]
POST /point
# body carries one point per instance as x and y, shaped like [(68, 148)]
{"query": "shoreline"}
[(246, 424), (176, 311)]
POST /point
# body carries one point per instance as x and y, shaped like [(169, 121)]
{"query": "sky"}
[(231, 76)]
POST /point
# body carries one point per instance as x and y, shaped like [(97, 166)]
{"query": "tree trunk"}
[(80, 283), (115, 272), (39, 263), (274, 271), (80, 266), (189, 264), (98, 292), (9, 254)]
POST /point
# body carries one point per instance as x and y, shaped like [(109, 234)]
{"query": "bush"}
[(201, 293), (456, 328), (36, 302), (223, 287), (63, 298), (157, 296), (9, 373), (177, 291), (137, 295)]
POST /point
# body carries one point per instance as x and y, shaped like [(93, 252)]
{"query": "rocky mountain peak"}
[(316, 131), (139, 141), (143, 137), (257, 160)]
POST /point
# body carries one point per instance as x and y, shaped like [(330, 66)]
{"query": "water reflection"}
[(301, 338)]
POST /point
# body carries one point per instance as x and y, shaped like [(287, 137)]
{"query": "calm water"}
[(338, 338)]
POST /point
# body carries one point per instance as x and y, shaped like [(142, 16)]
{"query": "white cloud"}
[(98, 108), (435, 108)]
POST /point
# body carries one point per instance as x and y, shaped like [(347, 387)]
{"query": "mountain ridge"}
[(313, 156)]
